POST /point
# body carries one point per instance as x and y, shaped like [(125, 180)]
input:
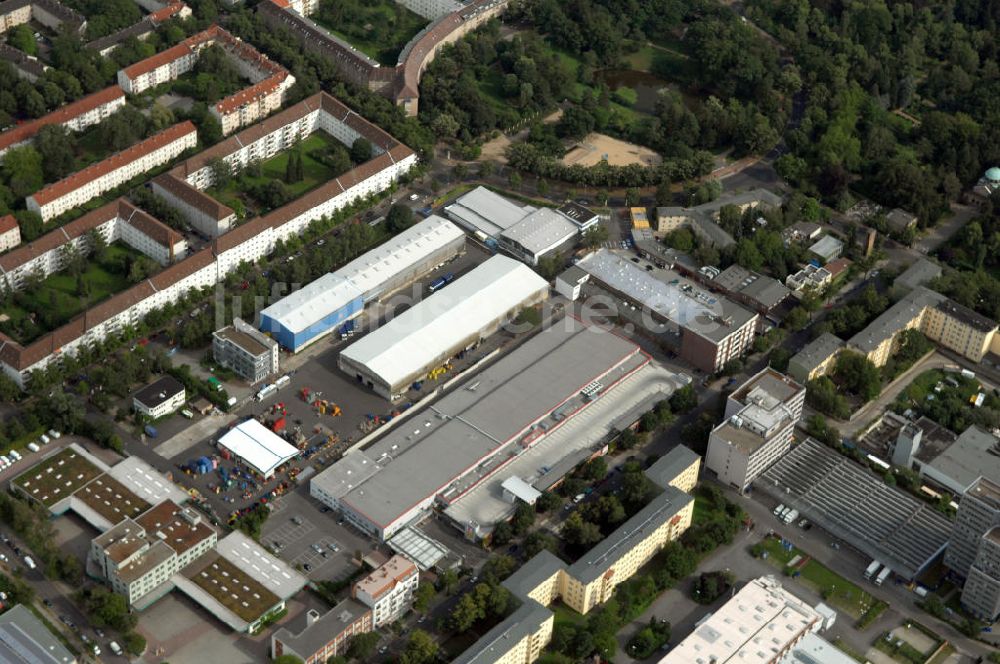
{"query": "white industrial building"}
[(562, 379), (259, 447), (762, 623), (318, 308), (525, 232), (405, 349)]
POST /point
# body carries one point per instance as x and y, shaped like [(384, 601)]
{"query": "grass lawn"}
[(58, 293), (843, 594), (315, 172), (378, 28), (565, 615)]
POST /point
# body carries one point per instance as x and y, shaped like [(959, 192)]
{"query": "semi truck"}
[(883, 575), (872, 568), (441, 282)]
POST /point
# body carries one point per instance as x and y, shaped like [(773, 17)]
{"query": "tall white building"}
[(760, 418), (388, 590)]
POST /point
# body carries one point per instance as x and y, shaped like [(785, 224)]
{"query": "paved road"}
[(944, 230)]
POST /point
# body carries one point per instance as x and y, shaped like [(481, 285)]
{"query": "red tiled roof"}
[(240, 234), (59, 189), (62, 115), (247, 95), (169, 276), (7, 223), (167, 12), (58, 237), (199, 200), (154, 61), (148, 225)]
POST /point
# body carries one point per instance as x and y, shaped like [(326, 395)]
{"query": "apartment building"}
[(244, 350), (116, 221), (160, 398), (978, 513), (10, 233), (205, 214), (942, 320), (816, 359), (94, 180), (388, 590), (324, 636), (75, 116), (49, 13), (269, 81), (139, 555), (206, 267), (981, 592), (590, 581), (760, 419)]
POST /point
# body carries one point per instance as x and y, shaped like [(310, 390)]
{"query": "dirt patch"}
[(496, 150), (595, 147)]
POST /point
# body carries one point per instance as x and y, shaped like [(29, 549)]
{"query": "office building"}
[(246, 352), (160, 398), (978, 513), (760, 418), (981, 592)]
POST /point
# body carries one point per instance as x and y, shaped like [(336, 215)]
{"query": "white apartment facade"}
[(117, 169), (759, 422), (388, 590), (10, 233)]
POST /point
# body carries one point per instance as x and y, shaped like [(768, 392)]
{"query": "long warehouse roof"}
[(495, 408), (372, 270), (312, 302), (416, 338), (365, 275)]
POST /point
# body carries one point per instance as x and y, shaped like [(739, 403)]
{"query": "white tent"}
[(258, 446)]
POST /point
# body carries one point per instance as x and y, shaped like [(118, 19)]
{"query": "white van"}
[(115, 648), (33, 447), (15, 455), (54, 434), (45, 439), (29, 562)]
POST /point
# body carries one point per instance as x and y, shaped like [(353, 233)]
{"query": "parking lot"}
[(301, 533)]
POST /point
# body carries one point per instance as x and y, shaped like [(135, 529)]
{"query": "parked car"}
[(115, 648), (54, 434)]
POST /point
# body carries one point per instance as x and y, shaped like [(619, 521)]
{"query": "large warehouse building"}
[(405, 349), (317, 309), (443, 452)]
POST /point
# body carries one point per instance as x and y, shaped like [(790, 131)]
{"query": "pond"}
[(646, 85)]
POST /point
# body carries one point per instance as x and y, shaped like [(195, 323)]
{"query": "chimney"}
[(312, 615)]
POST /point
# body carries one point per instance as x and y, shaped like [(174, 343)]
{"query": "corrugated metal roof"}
[(372, 270), (311, 303), (424, 332)]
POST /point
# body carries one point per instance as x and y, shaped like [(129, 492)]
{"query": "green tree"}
[(286, 659), (684, 400), (57, 148), (422, 597), (361, 150), (399, 218), (548, 502), (502, 534), (420, 649), (595, 236), (22, 38), (596, 469), (362, 646), (22, 168), (523, 519)]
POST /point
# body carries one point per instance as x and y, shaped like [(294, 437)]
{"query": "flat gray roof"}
[(271, 572), (827, 247), (670, 465), (24, 638), (855, 505), (668, 295), (817, 350), (541, 230), (893, 319), (429, 451), (660, 510), (765, 291), (486, 211), (311, 638), (918, 274), (971, 456), (146, 482), (498, 641)]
